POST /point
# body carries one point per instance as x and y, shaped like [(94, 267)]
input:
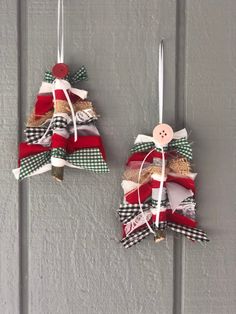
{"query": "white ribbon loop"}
[(160, 105), (139, 200), (79, 92), (60, 84), (160, 191), (160, 92), (60, 31), (47, 88), (65, 86), (161, 80)]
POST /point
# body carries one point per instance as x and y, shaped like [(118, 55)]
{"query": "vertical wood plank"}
[(210, 114), (9, 227), (76, 264), (179, 243)]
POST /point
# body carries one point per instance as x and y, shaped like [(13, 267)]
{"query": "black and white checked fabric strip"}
[(85, 122), (138, 236), (85, 116), (128, 211), (188, 200), (134, 238), (194, 234), (129, 206), (164, 203), (162, 225), (59, 122), (33, 134)]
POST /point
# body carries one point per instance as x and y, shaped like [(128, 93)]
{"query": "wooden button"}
[(60, 70), (163, 134)]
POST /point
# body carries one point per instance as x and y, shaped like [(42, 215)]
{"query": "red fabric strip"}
[(185, 182), (145, 191), (26, 150), (156, 184), (141, 155), (170, 216), (85, 142), (43, 104), (180, 219), (59, 93), (59, 141)]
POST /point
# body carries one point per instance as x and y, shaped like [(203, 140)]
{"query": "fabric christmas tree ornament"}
[(158, 184), (61, 132), (61, 129)]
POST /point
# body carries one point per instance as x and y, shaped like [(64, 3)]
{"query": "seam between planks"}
[(179, 244), (23, 186)]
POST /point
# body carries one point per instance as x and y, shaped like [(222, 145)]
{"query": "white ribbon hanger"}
[(61, 83), (162, 177)]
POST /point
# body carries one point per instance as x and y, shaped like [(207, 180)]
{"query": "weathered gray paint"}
[(9, 211), (66, 257), (209, 279)]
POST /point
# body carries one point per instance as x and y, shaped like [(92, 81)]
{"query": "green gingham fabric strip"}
[(142, 147), (58, 153), (182, 147), (87, 159), (49, 78), (145, 147), (79, 75), (30, 164)]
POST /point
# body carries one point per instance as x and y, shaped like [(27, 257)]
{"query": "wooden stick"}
[(57, 173)]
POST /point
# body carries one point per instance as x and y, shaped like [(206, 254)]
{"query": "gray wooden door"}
[(59, 243)]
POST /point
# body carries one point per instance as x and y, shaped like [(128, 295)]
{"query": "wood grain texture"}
[(9, 235), (76, 263), (210, 285)]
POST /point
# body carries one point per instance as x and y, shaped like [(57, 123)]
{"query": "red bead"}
[(60, 70)]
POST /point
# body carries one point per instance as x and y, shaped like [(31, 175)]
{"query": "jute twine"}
[(61, 106), (179, 165), (36, 121), (132, 174)]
